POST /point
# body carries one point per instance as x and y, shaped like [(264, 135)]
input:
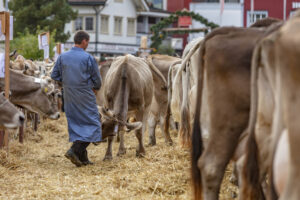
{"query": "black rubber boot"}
[(71, 155), (84, 159)]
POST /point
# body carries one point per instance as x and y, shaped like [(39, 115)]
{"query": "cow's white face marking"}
[(16, 122), (37, 80)]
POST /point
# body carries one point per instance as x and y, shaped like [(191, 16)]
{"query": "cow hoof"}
[(107, 158), (152, 143), (233, 195), (140, 154), (121, 152), (233, 180), (170, 143)]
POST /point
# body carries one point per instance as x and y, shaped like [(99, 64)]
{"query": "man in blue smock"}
[(80, 77)]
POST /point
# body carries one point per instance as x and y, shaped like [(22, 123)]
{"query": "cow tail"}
[(168, 113), (185, 129), (251, 176), (197, 143), (124, 100)]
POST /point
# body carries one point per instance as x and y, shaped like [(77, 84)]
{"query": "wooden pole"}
[(21, 134), (7, 78), (1, 138), (21, 131), (5, 30), (58, 48), (35, 124)]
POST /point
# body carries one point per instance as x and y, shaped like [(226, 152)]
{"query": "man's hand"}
[(95, 91)]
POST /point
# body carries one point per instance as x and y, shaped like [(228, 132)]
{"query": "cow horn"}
[(11, 54), (49, 64), (133, 126)]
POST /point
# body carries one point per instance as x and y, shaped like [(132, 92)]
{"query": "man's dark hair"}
[(81, 35)]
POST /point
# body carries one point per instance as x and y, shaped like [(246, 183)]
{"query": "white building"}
[(210, 9), (115, 26)]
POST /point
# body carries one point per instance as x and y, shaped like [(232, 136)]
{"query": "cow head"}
[(42, 101), (48, 100), (110, 123), (10, 116)]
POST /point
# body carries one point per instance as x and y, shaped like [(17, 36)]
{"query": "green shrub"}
[(164, 49), (26, 45)]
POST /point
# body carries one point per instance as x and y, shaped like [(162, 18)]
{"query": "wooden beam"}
[(184, 29)]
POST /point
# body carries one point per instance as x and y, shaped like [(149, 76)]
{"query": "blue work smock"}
[(79, 74)]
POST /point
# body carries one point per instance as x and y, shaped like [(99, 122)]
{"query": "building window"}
[(131, 27), (292, 13), (78, 24), (89, 23), (104, 24), (155, 4), (118, 26), (119, 1), (257, 15)]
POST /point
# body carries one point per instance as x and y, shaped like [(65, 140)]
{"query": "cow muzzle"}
[(55, 116)]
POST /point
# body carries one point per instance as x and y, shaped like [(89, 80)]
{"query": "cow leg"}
[(151, 130), (122, 149), (108, 154), (140, 133), (167, 136), (215, 158)]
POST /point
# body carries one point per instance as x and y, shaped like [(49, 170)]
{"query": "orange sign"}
[(184, 21)]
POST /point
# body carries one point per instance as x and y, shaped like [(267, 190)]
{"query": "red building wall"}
[(274, 8), (175, 5)]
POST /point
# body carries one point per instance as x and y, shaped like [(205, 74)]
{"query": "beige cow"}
[(10, 116), (276, 66), (160, 98), (224, 70), (36, 95), (128, 91)]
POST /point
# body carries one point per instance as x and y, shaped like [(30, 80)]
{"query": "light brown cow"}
[(36, 95), (228, 100), (10, 116), (128, 91), (182, 91), (158, 108), (276, 62)]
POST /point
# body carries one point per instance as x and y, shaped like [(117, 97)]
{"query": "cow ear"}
[(133, 126)]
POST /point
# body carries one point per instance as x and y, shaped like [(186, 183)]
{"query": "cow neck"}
[(3, 103), (21, 83)]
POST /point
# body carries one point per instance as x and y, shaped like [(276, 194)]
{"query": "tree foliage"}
[(48, 15), (26, 45), (165, 49)]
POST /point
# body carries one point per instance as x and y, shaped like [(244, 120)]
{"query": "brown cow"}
[(36, 95), (128, 91), (10, 116), (224, 69), (275, 66)]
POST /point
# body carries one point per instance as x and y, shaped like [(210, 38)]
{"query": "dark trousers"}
[(79, 148)]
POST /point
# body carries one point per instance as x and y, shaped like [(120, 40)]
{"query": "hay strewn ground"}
[(39, 170)]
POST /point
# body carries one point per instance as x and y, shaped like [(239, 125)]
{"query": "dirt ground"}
[(38, 169)]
